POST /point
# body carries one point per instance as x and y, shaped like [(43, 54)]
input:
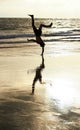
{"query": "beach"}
[(55, 104)]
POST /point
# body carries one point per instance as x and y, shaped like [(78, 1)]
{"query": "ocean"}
[(15, 32), (55, 104)]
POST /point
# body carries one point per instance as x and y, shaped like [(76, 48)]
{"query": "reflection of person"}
[(38, 32), (38, 75)]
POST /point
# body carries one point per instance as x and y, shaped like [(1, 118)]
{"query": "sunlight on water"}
[(62, 48), (63, 91)]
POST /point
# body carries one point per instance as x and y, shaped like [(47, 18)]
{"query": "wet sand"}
[(55, 104)]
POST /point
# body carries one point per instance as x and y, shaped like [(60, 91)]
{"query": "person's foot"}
[(51, 24), (30, 15)]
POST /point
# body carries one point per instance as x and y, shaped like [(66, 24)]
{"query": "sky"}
[(40, 8)]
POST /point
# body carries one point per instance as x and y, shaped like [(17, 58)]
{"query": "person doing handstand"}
[(38, 32)]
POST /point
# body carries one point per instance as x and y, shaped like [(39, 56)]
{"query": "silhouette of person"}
[(38, 32), (38, 75)]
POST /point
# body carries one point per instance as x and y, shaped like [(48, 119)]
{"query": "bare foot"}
[(30, 15)]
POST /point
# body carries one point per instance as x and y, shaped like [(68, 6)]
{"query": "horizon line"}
[(42, 17)]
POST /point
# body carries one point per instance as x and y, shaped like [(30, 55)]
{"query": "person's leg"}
[(46, 26), (33, 25), (32, 17)]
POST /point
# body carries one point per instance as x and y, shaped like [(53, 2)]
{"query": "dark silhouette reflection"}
[(38, 74), (38, 32)]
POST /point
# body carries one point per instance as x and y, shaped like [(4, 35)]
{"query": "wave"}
[(76, 30), (8, 36), (52, 40), (13, 42), (59, 33), (69, 35), (63, 33)]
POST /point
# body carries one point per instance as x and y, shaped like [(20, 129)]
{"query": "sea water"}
[(17, 31)]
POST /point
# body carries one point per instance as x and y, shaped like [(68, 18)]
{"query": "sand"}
[(55, 104)]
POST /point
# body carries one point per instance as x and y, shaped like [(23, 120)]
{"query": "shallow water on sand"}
[(55, 104)]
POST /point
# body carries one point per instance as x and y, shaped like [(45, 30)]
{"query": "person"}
[(38, 75), (38, 33)]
